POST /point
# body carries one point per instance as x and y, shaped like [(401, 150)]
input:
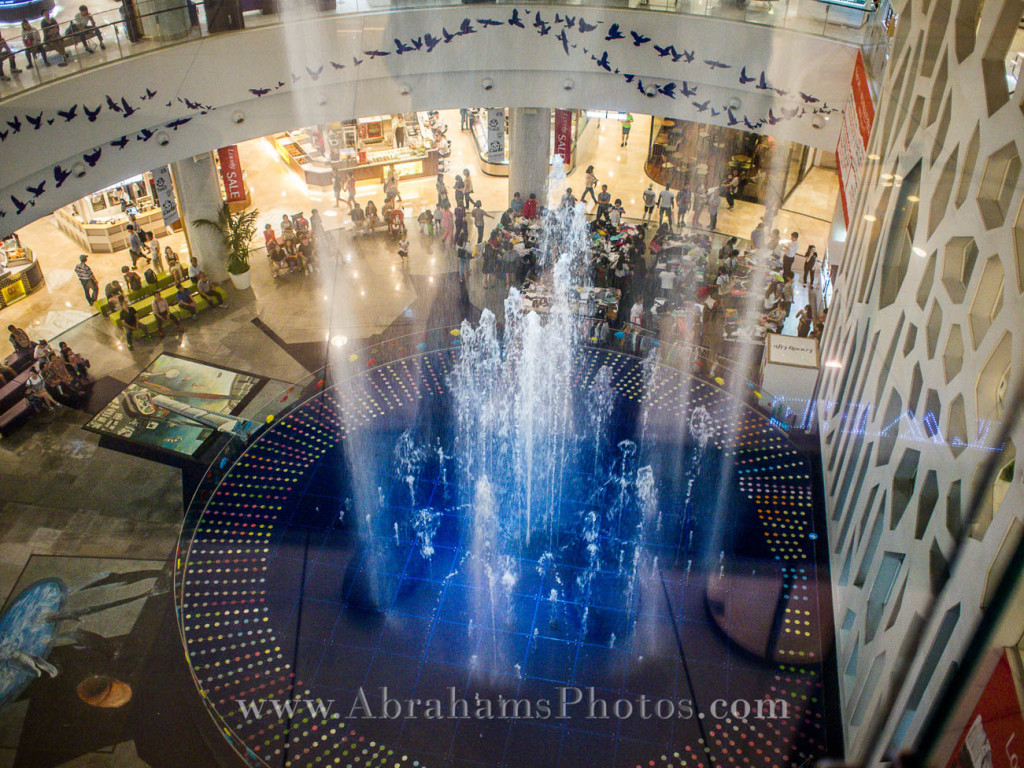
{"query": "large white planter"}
[(242, 281)]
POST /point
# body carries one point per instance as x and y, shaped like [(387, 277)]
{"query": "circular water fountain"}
[(497, 553)]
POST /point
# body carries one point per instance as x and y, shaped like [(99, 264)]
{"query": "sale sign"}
[(994, 736), (231, 174), (563, 135), (858, 117)]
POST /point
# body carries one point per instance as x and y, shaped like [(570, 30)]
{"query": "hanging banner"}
[(164, 188), (495, 135), (231, 174), (563, 135), (858, 117), (994, 734)]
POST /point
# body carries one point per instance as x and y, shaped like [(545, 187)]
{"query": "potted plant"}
[(238, 230)]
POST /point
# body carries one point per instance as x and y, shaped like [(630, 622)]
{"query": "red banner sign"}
[(994, 735), (231, 174), (563, 135), (858, 117)]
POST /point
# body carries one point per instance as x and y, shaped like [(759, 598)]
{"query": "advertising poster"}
[(858, 117), (231, 174), (165, 195)]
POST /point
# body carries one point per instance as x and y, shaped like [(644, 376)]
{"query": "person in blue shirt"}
[(185, 299)]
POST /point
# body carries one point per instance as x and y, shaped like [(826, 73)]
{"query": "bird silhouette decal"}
[(540, 25), (668, 50), (377, 54), (60, 175), (259, 93), (732, 117), (149, 95), (295, 78), (714, 64), (808, 99), (466, 28), (401, 47), (669, 89), (114, 106), (3, 136), (762, 83), (584, 27), (91, 114), (701, 107), (565, 41), (431, 42), (176, 124), (35, 122), (68, 114), (743, 77), (715, 112), (120, 143), (688, 91), (37, 191), (336, 65), (91, 158), (145, 135), (603, 61), (15, 124), (18, 205), (688, 56), (639, 39), (489, 22), (315, 73), (614, 33), (129, 110), (515, 21)]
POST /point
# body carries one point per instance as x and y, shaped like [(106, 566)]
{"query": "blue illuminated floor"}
[(287, 596)]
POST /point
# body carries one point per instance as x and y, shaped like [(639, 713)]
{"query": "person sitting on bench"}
[(22, 344), (204, 289), (185, 300), (35, 391), (162, 313), (131, 277), (130, 321)]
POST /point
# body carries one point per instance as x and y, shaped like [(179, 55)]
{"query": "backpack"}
[(150, 276)]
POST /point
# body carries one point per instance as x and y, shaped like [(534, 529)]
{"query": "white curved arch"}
[(71, 139)]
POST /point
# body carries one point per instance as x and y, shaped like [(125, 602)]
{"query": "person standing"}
[(699, 201), (336, 182), (447, 226), (459, 187), (803, 322), (682, 205), (590, 183), (135, 246), (604, 202), (479, 215), (757, 236), (809, 264), (627, 125), (442, 190), (790, 255), (665, 202), (461, 225), (714, 200), (469, 188), (650, 197), (464, 119), (732, 188), (464, 255), (87, 279)]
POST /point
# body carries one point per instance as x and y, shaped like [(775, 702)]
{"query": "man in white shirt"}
[(665, 201), (193, 268), (86, 26)]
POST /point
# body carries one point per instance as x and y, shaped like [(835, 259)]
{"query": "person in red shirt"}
[(530, 207)]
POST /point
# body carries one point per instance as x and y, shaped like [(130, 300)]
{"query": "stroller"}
[(396, 224)]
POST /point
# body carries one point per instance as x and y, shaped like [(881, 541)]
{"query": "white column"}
[(529, 153), (198, 188)]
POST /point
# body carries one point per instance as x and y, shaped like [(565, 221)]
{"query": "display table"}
[(108, 234), (21, 277)]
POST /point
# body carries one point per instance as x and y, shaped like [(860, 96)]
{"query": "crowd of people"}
[(49, 39), (57, 376)]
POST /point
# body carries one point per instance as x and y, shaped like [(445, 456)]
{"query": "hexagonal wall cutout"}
[(1018, 245), (956, 426), (953, 355), (994, 380), (933, 328), (958, 260), (926, 501), (998, 182), (988, 299), (903, 481), (994, 490), (954, 512)]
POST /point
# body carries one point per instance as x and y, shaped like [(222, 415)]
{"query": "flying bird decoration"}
[(743, 77), (584, 27), (35, 122), (515, 21), (91, 114), (68, 114), (639, 39), (37, 191), (614, 33), (60, 175), (176, 124), (701, 107), (315, 73), (259, 93), (91, 158)]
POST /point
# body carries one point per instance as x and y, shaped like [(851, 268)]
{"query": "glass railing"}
[(112, 36)]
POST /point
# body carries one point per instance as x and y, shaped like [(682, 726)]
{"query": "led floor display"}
[(660, 565)]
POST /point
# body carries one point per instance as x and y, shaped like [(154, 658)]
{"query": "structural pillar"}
[(198, 188), (529, 153)]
